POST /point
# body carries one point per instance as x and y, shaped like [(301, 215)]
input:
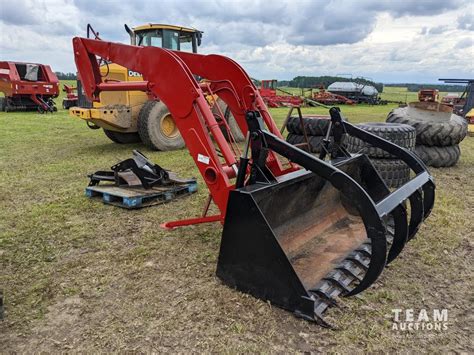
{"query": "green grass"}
[(83, 276)]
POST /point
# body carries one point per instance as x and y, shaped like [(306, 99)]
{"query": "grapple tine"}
[(428, 197), (400, 232), (417, 213)]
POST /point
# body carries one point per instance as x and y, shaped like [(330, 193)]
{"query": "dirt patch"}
[(57, 331)]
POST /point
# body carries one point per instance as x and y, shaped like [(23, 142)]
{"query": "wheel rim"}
[(168, 127)]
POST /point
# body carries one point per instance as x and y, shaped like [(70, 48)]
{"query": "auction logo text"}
[(423, 319)]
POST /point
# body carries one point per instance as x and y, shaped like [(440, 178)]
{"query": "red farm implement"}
[(71, 98), (428, 95), (298, 230), (28, 86), (268, 92), (327, 98)]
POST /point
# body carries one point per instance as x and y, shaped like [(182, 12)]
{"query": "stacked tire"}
[(315, 127), (437, 142), (393, 171)]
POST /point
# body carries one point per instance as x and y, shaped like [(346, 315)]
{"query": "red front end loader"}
[(299, 230), (28, 86)]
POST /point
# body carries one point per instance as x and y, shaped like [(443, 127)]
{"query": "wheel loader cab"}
[(164, 36), (130, 116)]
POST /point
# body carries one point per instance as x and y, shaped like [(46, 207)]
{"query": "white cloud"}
[(385, 40), (466, 21)]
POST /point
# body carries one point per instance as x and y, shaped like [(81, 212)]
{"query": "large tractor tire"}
[(157, 128), (67, 104), (2, 104), (231, 122), (313, 124), (121, 137), (314, 141), (394, 172), (432, 133), (400, 134), (439, 157)]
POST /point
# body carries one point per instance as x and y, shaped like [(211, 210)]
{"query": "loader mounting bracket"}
[(141, 168)]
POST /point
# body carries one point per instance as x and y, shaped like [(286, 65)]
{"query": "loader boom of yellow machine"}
[(132, 116)]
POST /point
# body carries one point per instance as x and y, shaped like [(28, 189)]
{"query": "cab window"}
[(171, 39), (150, 38), (186, 42)]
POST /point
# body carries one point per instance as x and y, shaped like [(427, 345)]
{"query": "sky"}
[(396, 41)]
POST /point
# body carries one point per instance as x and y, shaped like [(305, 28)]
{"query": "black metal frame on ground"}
[(137, 170), (252, 257), (303, 128)]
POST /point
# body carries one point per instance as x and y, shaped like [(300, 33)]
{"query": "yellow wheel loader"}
[(132, 116)]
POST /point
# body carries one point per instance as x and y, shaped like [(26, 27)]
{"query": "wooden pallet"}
[(137, 197)]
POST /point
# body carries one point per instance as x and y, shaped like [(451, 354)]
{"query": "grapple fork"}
[(301, 239)]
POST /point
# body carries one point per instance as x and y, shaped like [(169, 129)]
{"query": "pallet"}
[(137, 197)]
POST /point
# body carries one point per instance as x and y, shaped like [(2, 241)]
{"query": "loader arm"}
[(185, 99)]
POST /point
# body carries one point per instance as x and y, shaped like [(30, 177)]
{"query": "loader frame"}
[(379, 208)]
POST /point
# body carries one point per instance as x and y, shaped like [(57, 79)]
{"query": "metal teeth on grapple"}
[(341, 280), (344, 278)]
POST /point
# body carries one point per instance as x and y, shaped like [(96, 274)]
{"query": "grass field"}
[(82, 276)]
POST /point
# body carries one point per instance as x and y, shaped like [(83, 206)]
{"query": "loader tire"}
[(157, 129), (314, 125), (394, 172), (314, 141), (234, 127), (2, 104), (431, 133), (122, 137), (400, 134), (439, 157)]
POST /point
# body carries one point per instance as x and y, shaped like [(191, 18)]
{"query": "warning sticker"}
[(203, 159)]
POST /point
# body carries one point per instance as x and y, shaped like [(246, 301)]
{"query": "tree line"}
[(440, 87), (66, 76)]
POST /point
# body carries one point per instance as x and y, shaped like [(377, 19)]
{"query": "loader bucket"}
[(315, 234)]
